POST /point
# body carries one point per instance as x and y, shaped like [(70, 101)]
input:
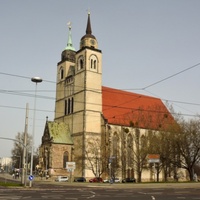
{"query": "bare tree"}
[(17, 151), (155, 120), (95, 158), (188, 144)]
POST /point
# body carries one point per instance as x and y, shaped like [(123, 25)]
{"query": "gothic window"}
[(65, 158), (72, 106), (69, 90), (129, 151), (69, 105), (69, 79), (116, 156), (66, 107), (116, 146), (93, 63), (61, 73), (80, 63)]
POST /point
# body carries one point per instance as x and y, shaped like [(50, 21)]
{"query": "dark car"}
[(96, 180), (129, 180), (79, 179)]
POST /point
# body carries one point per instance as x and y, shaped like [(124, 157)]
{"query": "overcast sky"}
[(143, 42)]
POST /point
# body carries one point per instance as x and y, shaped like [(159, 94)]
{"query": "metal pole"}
[(33, 133), (24, 166), (35, 80)]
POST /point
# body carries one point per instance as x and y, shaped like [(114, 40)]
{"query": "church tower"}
[(79, 94), (65, 81)]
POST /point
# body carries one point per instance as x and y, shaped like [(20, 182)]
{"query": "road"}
[(100, 194), (80, 191)]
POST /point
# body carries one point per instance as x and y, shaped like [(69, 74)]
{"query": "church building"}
[(96, 127)]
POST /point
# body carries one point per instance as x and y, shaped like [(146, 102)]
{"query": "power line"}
[(144, 88), (198, 64), (25, 77), (110, 107)]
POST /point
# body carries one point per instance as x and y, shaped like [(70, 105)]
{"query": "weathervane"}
[(69, 24)]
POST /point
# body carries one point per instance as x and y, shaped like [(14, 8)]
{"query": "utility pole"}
[(24, 166)]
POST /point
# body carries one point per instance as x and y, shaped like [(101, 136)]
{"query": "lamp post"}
[(25, 157), (36, 80)]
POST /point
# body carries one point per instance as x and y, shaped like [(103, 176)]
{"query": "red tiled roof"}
[(130, 109)]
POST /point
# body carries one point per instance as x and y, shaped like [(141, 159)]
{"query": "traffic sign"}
[(31, 177), (153, 158), (70, 165)]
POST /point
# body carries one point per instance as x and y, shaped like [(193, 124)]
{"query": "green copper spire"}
[(69, 42)]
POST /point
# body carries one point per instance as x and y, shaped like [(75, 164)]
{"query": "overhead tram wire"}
[(144, 88), (52, 98), (155, 83), (171, 76), (25, 77)]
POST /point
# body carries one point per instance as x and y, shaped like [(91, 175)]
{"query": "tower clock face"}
[(92, 42)]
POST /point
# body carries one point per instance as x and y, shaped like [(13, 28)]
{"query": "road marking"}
[(93, 195)]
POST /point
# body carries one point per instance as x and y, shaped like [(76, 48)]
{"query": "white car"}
[(116, 180), (61, 179), (106, 181)]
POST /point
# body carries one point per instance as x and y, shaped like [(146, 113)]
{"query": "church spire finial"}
[(88, 28), (88, 40), (69, 42)]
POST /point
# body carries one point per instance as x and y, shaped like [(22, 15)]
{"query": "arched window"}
[(61, 73), (72, 106), (69, 105), (116, 157), (81, 64), (66, 107), (129, 151), (93, 63), (65, 158), (115, 145)]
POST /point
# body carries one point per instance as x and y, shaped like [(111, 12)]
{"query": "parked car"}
[(79, 179), (106, 181), (116, 180), (96, 180), (61, 179), (129, 180)]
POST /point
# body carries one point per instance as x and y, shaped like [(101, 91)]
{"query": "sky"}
[(150, 47)]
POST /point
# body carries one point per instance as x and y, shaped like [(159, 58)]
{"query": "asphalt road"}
[(47, 189), (100, 194)]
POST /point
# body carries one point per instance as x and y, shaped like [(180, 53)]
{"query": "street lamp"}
[(36, 80)]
